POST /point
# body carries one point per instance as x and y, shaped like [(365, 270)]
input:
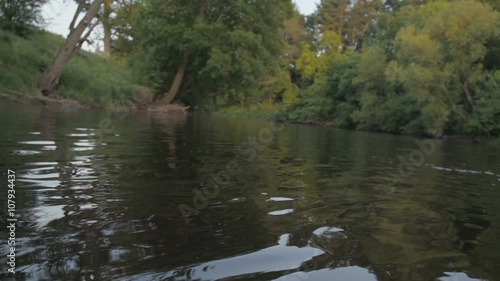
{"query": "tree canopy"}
[(230, 48), (419, 68)]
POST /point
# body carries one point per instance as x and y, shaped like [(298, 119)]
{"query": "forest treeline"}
[(400, 66)]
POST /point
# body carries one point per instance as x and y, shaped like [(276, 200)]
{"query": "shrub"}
[(20, 16)]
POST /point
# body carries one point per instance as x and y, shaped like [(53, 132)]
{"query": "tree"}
[(362, 16), (440, 58), (50, 78), (125, 29), (293, 33), (106, 25), (215, 47), (179, 76), (307, 63), (20, 16), (313, 63), (280, 86), (333, 15), (105, 19)]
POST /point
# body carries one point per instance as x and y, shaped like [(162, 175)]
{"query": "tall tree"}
[(181, 70), (362, 16), (213, 46), (333, 16), (50, 77), (439, 58)]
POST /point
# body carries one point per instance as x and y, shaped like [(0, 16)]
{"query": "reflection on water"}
[(270, 260), (342, 273), (315, 204), (280, 212)]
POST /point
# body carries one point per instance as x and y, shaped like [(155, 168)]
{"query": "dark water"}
[(169, 197)]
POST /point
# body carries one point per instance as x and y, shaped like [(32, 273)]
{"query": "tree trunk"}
[(107, 41), (468, 94), (79, 9), (340, 28), (107, 28), (179, 76), (50, 78)]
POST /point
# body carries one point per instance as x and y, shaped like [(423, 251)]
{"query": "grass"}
[(88, 79)]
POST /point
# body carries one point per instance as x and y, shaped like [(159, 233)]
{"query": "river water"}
[(143, 196)]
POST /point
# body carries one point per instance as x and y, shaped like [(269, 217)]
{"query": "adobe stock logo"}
[(416, 158)]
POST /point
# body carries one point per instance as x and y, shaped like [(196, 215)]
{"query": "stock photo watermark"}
[(409, 163), (11, 221), (416, 158)]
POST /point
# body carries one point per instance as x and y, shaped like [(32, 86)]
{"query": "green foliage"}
[(22, 60), (233, 48), (486, 116), (125, 28), (20, 16), (313, 64), (427, 69), (314, 106), (438, 58), (318, 102), (382, 105), (333, 15), (88, 79), (341, 88), (93, 81), (307, 63)]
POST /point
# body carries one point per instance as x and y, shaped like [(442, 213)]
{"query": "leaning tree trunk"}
[(50, 78), (176, 85), (179, 76)]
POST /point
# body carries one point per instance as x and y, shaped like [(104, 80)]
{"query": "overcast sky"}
[(306, 7), (58, 13)]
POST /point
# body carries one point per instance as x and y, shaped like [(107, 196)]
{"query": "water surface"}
[(146, 197)]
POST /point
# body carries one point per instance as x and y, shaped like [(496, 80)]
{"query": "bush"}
[(20, 16), (485, 119)]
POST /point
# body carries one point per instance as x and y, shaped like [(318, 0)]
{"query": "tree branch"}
[(468, 94), (86, 36), (79, 9)]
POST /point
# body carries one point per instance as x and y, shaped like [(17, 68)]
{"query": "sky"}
[(59, 13), (306, 7)]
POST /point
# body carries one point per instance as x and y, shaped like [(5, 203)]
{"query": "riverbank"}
[(14, 96), (88, 79), (267, 113), (69, 104), (254, 113)]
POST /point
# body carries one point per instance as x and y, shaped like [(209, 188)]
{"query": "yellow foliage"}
[(307, 62)]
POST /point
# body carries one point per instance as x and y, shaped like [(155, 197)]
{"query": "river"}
[(148, 196)]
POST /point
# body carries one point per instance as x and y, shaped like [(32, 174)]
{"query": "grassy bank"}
[(88, 78)]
